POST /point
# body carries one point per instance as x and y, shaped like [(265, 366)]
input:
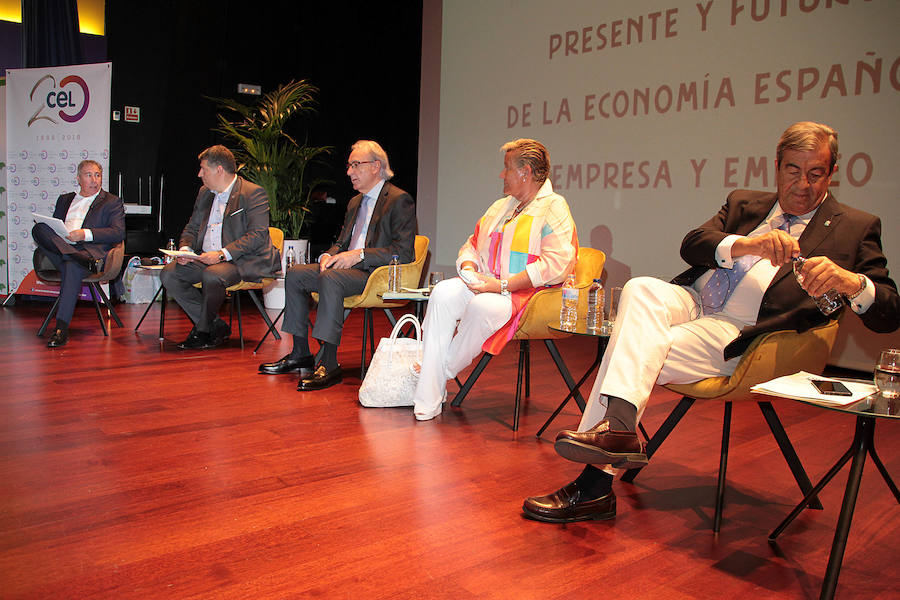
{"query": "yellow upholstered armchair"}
[(377, 284), (540, 311), (768, 356)]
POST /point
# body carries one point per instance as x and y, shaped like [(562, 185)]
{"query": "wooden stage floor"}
[(130, 469)]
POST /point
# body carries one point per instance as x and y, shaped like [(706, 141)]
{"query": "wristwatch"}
[(504, 284), (221, 256), (862, 286)]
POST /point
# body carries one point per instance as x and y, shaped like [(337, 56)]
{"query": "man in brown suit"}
[(229, 232)]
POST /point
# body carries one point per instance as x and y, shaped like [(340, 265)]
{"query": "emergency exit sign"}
[(133, 114)]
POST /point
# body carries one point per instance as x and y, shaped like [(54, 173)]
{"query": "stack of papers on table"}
[(799, 387), (177, 253), (405, 294)]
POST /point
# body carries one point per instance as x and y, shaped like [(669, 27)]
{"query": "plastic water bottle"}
[(595, 306), (568, 313), (288, 258), (828, 302), (170, 245), (394, 274)]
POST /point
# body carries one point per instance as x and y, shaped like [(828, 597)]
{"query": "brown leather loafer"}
[(568, 505), (601, 445)]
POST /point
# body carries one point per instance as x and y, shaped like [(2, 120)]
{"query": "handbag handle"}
[(407, 318)]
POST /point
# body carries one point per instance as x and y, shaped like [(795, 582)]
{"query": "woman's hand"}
[(484, 284)]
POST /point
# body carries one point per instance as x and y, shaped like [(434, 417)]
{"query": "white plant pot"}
[(273, 296)]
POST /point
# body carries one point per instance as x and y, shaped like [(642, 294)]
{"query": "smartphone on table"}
[(831, 388)]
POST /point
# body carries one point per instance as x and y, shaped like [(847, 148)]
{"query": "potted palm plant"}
[(272, 158)]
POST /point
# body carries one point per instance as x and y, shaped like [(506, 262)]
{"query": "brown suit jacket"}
[(848, 236), (245, 229)]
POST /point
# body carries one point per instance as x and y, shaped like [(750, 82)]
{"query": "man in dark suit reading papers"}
[(95, 220)]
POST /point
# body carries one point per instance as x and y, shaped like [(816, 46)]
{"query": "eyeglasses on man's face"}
[(794, 173), (354, 164)]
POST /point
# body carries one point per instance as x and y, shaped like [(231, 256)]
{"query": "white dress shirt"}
[(743, 305), (78, 210), (212, 239)]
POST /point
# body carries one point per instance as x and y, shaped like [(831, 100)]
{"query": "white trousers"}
[(658, 337), (453, 307)]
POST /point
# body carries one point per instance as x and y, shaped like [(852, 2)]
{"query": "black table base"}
[(863, 444)]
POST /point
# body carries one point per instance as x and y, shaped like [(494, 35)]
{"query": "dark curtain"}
[(50, 33)]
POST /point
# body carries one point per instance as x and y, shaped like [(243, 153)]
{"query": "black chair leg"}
[(108, 304), (149, 306), (662, 433), (97, 308), (390, 316), (520, 375), (367, 316), (262, 312), (723, 465), (50, 314), (271, 329), (470, 380), (527, 345), (236, 304), (787, 450), (643, 431), (372, 330), (564, 372)]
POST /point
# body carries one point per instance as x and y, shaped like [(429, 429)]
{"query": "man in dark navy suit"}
[(96, 222)]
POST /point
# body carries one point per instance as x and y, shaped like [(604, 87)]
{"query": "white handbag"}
[(390, 380)]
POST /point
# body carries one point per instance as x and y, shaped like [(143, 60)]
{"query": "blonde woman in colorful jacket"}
[(525, 241)]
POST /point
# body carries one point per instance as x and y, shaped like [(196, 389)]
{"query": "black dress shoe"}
[(287, 364), (600, 445), (320, 379), (568, 505), (220, 333), (196, 340), (58, 338)]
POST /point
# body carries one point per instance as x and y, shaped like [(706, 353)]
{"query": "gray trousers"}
[(202, 306), (332, 285)]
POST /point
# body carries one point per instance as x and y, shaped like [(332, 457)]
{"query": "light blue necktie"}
[(358, 239), (721, 285)]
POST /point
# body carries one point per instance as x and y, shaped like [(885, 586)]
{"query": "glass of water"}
[(614, 294), (434, 278), (887, 373)]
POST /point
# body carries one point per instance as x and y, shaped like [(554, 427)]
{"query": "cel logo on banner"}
[(60, 98)]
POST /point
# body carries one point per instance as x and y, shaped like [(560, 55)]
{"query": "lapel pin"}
[(828, 222)]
